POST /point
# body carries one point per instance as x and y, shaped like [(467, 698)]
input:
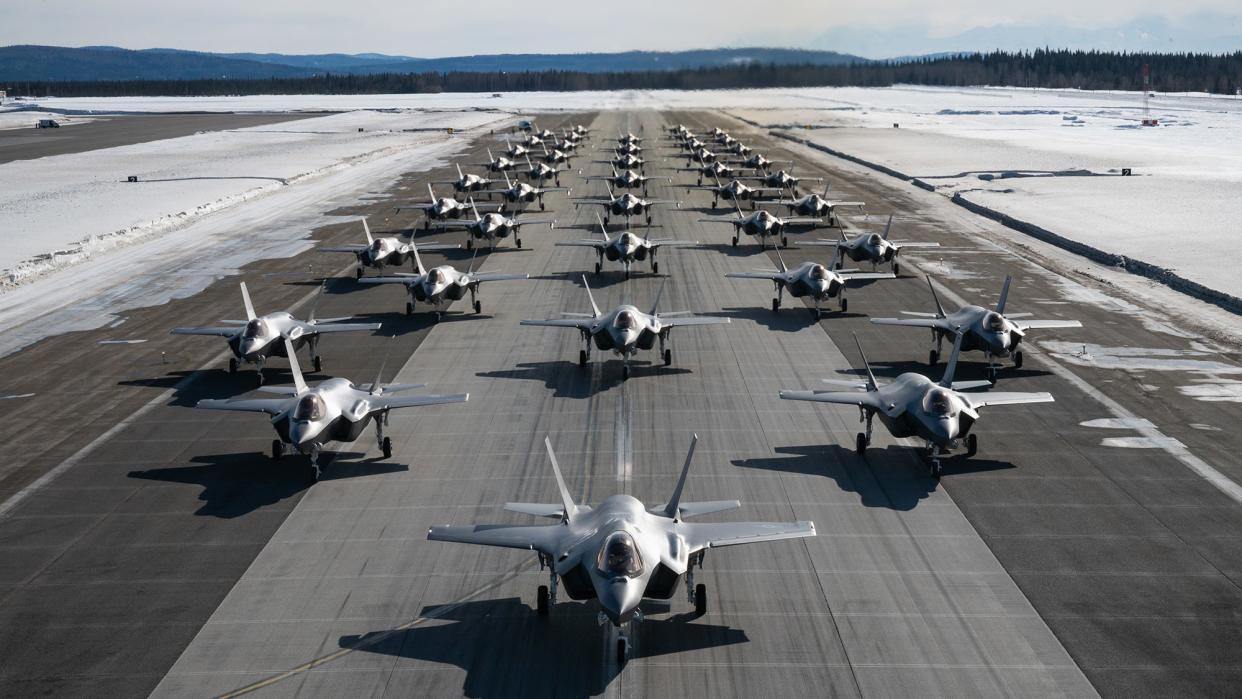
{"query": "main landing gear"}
[(545, 596), (384, 443), (697, 594), (864, 438)]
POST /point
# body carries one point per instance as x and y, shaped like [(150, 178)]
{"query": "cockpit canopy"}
[(627, 239), (940, 403), (257, 327), (874, 240), (994, 322), (626, 320), (819, 272), (377, 246), (435, 276), (310, 407), (619, 556)]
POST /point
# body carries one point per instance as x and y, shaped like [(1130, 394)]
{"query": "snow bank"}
[(66, 209)]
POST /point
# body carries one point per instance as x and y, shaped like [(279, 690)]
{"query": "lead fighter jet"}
[(379, 253), (625, 329), (621, 551), (992, 332), (626, 248), (259, 338), (335, 410), (914, 406), (811, 279), (442, 285)]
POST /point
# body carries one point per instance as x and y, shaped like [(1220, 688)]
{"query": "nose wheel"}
[(972, 445), (1017, 360)]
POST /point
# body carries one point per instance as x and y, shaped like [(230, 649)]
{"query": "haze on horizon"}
[(882, 28)]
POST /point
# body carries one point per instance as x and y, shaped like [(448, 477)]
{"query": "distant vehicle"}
[(47, 124), (496, 95)]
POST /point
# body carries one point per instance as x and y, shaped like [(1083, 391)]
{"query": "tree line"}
[(1058, 69)]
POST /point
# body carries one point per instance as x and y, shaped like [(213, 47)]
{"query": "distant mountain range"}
[(1202, 33), (91, 63)]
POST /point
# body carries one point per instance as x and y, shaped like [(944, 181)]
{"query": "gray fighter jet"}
[(734, 191), (466, 183), (522, 193), (257, 338), (542, 172), (758, 163), (992, 332), (702, 155), (811, 279), (625, 162), (498, 163), (626, 248), (626, 205), (763, 225), (627, 179), (442, 285), (519, 151), (379, 253), (817, 205), (873, 247), (715, 170), (439, 208), (621, 551), (915, 406), (625, 330), (554, 156), (782, 179), (335, 410), (493, 227)]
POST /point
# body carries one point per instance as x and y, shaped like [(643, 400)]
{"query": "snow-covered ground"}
[(175, 238), (64, 209), (27, 119), (1054, 159)]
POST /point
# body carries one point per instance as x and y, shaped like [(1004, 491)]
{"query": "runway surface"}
[(176, 557), (112, 131)]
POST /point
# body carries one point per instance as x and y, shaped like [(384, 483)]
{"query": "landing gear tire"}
[(933, 357), (700, 599), (621, 651), (992, 374), (1017, 360), (896, 269), (655, 267), (860, 444), (972, 445), (232, 366), (386, 447), (409, 309), (542, 206), (668, 357), (541, 601), (776, 306), (784, 242), (358, 273), (582, 358), (625, 373), (469, 244), (478, 307), (845, 305), (598, 267), (317, 363), (278, 449), (518, 242), (735, 241)]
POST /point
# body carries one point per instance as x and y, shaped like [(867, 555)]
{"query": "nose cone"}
[(249, 348), (619, 597), (301, 432), (943, 429)]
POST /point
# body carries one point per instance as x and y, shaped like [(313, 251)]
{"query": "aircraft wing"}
[(672, 321), (476, 278), (1028, 324), (535, 537), (355, 249), (835, 204), (867, 275), (865, 399), (800, 220), (581, 244), (452, 224), (387, 402), (773, 275), (914, 322), (668, 241), (579, 323), (912, 244), (222, 332), (271, 406), (536, 221), (694, 509), (663, 202), (412, 279), (344, 327), (701, 536), (600, 202), (979, 400)]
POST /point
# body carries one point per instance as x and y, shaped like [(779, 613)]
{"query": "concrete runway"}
[(109, 132), (176, 557)]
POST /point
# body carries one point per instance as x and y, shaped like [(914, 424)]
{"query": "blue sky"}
[(501, 26)]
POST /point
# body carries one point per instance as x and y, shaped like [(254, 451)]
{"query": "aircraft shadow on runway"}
[(610, 277), (237, 484), (892, 477), (746, 247), (192, 386), (569, 380), (509, 651)]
